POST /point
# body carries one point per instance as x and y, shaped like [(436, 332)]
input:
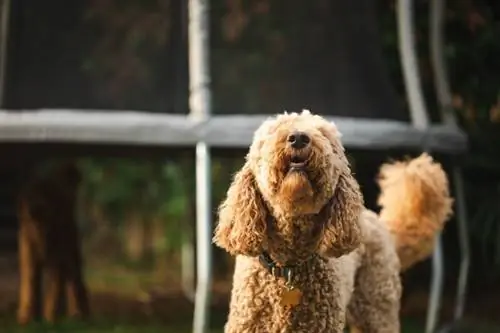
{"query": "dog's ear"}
[(242, 217), (341, 233)]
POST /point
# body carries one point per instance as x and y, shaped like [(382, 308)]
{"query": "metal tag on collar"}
[(288, 273)]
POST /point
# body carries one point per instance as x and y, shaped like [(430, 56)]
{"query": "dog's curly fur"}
[(415, 204), (344, 257)]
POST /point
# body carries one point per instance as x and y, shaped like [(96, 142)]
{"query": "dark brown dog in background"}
[(49, 244)]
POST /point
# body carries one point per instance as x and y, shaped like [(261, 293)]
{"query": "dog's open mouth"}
[(297, 162)]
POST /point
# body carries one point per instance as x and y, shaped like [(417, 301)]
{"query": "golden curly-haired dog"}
[(308, 252)]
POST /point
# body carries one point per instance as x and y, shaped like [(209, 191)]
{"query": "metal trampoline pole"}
[(436, 286), (443, 92), (420, 119), (408, 56), (464, 243), (200, 107), (438, 63), (203, 238)]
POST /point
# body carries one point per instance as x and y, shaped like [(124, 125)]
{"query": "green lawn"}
[(103, 327), (172, 316), (98, 328)]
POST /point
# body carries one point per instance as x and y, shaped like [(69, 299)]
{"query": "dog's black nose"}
[(298, 140)]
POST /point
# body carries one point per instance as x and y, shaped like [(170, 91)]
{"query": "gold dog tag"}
[(291, 297)]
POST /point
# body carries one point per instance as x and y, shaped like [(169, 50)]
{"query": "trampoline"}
[(365, 111)]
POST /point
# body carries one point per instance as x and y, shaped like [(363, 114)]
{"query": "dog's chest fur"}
[(255, 305), (291, 240)]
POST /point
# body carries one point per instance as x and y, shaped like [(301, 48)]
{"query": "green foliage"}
[(474, 56), (154, 190)]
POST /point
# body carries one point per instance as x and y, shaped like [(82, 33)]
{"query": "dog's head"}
[(297, 160), (296, 170)]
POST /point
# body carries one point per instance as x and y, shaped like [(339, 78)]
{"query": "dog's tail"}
[(415, 204)]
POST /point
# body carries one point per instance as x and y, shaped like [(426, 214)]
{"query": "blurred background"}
[(137, 213)]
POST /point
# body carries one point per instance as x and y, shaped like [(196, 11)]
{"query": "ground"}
[(126, 300)]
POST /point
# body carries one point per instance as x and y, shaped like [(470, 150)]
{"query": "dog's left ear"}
[(242, 217), (341, 233)]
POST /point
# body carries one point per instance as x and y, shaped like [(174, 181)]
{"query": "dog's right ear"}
[(242, 217)]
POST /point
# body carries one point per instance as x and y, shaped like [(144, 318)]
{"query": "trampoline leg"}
[(463, 242), (200, 109), (204, 239), (436, 286)]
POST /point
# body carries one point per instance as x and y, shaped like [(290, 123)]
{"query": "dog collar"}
[(287, 272), (290, 294), (276, 270)]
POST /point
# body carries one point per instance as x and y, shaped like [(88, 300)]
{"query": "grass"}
[(100, 327), (105, 327), (132, 282)]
